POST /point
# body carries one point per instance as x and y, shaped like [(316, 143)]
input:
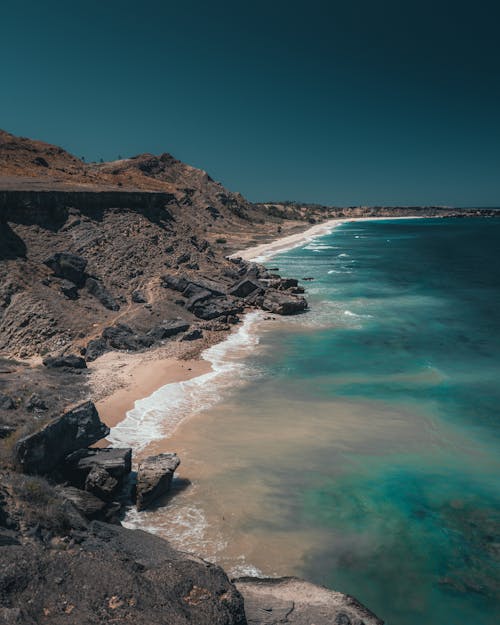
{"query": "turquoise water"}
[(405, 319)]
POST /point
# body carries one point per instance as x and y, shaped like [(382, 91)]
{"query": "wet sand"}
[(125, 378)]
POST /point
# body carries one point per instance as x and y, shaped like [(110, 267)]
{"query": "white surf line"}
[(157, 416), (265, 251)]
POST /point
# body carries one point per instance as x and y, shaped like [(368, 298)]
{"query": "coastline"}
[(121, 380)]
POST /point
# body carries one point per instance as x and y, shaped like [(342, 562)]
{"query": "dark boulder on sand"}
[(42, 451), (154, 478)]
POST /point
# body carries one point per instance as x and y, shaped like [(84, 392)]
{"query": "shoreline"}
[(136, 381)]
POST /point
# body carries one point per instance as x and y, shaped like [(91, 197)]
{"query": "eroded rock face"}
[(297, 602), (282, 303), (42, 451), (154, 478)]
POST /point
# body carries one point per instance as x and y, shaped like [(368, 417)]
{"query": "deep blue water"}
[(405, 316)]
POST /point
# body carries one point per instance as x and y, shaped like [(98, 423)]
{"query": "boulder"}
[(288, 283), (281, 303), (88, 504), (138, 297), (99, 291), (297, 602), (176, 283), (245, 287), (95, 348), (6, 402), (6, 430), (69, 360), (216, 307), (116, 461), (101, 484), (122, 336), (68, 266), (168, 328), (69, 290), (194, 335), (36, 403), (154, 478), (42, 451)]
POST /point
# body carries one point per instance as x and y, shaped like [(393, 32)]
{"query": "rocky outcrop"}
[(109, 574), (117, 462), (68, 266), (290, 600), (98, 290), (69, 360), (101, 484), (168, 328), (154, 478), (283, 303), (43, 451), (88, 504)]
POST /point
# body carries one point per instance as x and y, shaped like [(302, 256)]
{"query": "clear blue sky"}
[(353, 102)]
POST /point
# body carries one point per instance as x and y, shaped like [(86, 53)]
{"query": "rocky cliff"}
[(126, 255)]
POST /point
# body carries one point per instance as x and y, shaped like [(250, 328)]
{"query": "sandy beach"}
[(120, 379)]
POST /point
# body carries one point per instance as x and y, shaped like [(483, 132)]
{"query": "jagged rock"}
[(168, 328), (297, 602), (194, 335), (116, 461), (101, 484), (214, 308), (36, 403), (6, 402), (122, 336), (288, 283), (95, 348), (98, 290), (70, 360), (245, 287), (42, 451), (154, 477), (88, 504), (176, 283), (281, 303), (68, 266), (69, 289), (138, 297)]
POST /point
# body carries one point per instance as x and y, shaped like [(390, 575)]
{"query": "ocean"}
[(356, 445)]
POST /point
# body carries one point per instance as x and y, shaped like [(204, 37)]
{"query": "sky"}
[(339, 103)]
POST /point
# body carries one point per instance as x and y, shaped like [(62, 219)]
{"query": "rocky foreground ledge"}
[(66, 559)]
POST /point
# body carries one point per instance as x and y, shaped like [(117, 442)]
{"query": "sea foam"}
[(157, 416)]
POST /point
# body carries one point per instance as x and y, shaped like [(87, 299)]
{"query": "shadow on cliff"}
[(11, 245)]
